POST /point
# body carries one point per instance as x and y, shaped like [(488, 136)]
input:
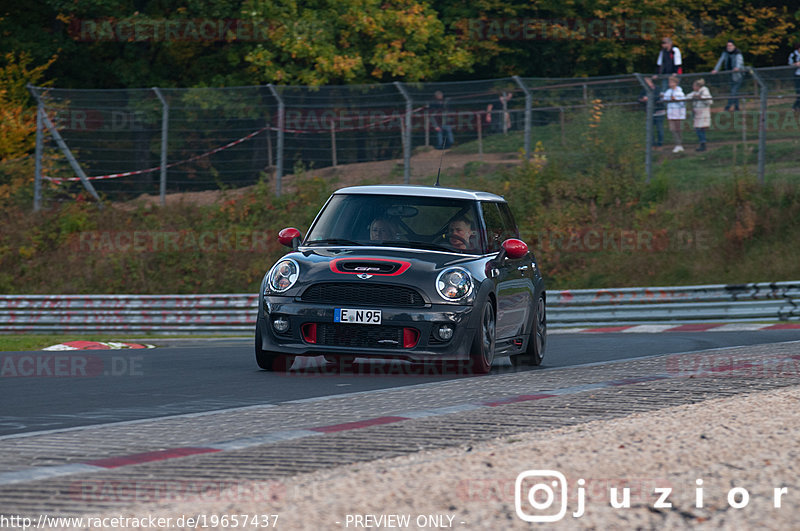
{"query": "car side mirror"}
[(290, 237), (512, 248)]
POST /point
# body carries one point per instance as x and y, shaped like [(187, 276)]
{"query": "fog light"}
[(280, 324), (445, 332)]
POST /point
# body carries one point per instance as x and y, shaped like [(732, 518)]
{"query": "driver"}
[(460, 232), (382, 228)]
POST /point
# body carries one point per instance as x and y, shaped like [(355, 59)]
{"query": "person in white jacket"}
[(794, 60), (676, 111), (701, 109)]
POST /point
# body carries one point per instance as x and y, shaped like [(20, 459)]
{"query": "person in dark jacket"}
[(669, 62), (439, 120), (794, 60), (733, 61)]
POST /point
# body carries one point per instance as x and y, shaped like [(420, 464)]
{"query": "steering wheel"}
[(451, 237)]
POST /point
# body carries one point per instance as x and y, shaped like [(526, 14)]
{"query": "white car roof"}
[(421, 191)]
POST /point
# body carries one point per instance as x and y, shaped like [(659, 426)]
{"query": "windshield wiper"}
[(422, 245), (333, 241)]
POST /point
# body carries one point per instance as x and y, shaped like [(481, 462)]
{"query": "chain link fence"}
[(119, 144)]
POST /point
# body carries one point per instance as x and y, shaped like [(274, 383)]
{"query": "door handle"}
[(522, 268)]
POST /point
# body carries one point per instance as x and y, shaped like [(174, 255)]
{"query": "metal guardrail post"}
[(407, 135), (762, 125), (528, 106), (279, 155), (648, 154), (65, 149), (37, 176), (162, 187)]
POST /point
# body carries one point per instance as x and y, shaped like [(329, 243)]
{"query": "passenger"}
[(382, 228)]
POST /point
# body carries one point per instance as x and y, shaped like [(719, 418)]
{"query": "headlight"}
[(283, 276), (454, 283)]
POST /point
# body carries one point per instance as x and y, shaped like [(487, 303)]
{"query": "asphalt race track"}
[(82, 388)]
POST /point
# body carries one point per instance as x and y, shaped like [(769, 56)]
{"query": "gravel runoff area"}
[(747, 442)]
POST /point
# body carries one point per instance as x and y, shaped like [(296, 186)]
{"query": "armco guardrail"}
[(217, 313), (768, 301), (235, 313)]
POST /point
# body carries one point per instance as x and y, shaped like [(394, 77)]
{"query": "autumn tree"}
[(607, 37), (353, 41), (17, 121)]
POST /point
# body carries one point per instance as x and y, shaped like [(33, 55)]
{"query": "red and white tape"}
[(217, 150)]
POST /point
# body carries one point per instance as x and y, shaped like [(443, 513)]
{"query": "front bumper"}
[(424, 320)]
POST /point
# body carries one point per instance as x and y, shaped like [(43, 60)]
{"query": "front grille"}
[(359, 336), (363, 294)]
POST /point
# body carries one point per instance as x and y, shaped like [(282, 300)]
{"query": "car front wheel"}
[(482, 352), (271, 361)]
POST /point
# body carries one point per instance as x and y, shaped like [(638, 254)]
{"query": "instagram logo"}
[(540, 489)]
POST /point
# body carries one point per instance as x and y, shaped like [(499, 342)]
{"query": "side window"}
[(494, 225), (509, 226)]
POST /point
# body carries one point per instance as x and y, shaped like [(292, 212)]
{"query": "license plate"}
[(347, 315)]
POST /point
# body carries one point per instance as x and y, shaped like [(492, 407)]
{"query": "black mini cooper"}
[(419, 273)]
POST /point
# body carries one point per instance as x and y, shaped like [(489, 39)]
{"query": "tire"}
[(271, 361), (538, 338), (482, 352)]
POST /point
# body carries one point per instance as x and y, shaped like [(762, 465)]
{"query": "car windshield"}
[(399, 221)]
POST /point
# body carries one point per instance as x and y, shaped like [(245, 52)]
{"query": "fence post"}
[(427, 128), (528, 106), (648, 153), (333, 143), (563, 120), (269, 146), (407, 133), (65, 149), (505, 115), (162, 188), (37, 178), (762, 125), (279, 155), (479, 125)]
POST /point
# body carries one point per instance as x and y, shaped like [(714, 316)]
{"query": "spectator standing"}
[(669, 62), (732, 59), (701, 110), (676, 111), (439, 119), (794, 60), (659, 111), (499, 120)]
